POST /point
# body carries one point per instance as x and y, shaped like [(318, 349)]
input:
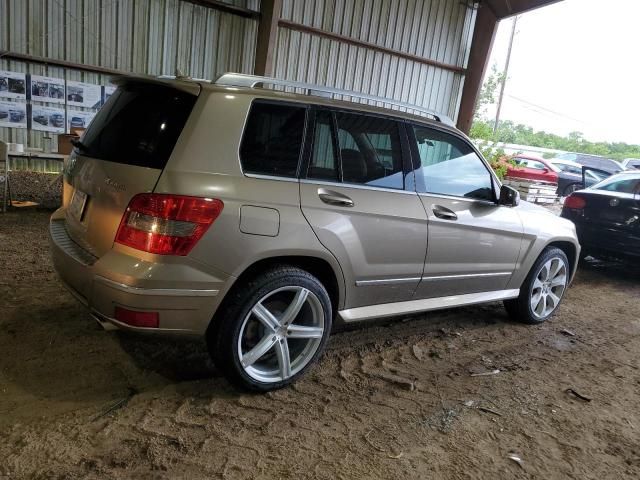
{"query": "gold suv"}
[(258, 218)]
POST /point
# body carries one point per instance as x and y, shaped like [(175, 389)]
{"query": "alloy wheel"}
[(548, 287), (280, 334)]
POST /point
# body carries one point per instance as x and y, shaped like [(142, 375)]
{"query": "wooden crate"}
[(534, 191)]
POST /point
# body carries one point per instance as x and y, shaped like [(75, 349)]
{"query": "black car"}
[(593, 161), (607, 217), (570, 176)]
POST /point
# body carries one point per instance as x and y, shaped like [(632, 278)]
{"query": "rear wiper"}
[(77, 143)]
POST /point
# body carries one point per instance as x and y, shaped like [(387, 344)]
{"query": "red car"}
[(533, 168)]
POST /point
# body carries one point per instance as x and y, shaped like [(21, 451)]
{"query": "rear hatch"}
[(123, 153)]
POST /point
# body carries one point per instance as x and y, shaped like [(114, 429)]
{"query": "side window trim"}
[(336, 144), (408, 172), (312, 121), (415, 161)]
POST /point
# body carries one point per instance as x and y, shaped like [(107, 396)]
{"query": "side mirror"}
[(545, 170), (509, 196)]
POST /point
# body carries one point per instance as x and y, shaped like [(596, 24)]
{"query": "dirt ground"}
[(78, 402)]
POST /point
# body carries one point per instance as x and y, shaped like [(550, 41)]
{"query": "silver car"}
[(259, 218)]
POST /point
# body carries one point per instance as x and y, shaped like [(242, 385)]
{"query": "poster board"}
[(13, 114), (13, 85), (85, 95), (47, 89), (79, 119), (47, 119)]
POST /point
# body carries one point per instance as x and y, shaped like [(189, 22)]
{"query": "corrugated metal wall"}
[(439, 30), (141, 36), (156, 36)]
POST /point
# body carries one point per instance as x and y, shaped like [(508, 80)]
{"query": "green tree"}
[(509, 132), (488, 93)]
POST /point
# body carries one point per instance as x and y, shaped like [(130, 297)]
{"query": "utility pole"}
[(505, 74)]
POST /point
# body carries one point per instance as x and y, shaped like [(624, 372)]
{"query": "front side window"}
[(272, 140), (368, 150), (449, 166), (535, 165)]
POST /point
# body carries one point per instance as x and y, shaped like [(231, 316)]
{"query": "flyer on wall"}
[(47, 89), (13, 85), (78, 119), (13, 114), (47, 119), (84, 94), (108, 91)]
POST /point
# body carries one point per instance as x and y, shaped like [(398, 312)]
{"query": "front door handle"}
[(444, 213), (334, 198)]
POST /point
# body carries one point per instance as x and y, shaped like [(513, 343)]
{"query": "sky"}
[(575, 66)]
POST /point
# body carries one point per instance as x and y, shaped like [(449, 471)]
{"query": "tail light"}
[(575, 202), (166, 224)]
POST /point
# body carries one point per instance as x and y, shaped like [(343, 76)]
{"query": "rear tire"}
[(271, 329), (542, 291), (569, 189)]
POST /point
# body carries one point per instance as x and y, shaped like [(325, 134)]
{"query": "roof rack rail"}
[(250, 81)]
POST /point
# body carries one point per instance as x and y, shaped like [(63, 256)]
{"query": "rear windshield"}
[(138, 125)]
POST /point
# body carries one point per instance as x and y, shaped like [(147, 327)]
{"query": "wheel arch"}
[(316, 266), (570, 250), (319, 267)]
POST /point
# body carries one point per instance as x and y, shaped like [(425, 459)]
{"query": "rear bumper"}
[(186, 297)]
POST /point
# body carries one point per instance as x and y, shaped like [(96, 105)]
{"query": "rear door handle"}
[(444, 213), (334, 198)]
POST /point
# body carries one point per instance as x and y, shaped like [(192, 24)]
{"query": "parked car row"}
[(603, 199), (566, 170)]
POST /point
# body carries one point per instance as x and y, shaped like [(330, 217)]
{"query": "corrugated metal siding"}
[(439, 30), (157, 36), (141, 36)]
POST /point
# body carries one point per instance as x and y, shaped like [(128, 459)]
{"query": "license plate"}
[(76, 207)]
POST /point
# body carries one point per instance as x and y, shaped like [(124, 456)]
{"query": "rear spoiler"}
[(186, 85)]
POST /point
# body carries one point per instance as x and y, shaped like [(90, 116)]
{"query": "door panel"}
[(356, 200), (474, 252), (473, 244), (380, 241)]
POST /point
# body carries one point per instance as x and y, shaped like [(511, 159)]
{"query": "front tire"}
[(272, 329), (543, 289)]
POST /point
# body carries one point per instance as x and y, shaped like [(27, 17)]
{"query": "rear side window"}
[(138, 125), (272, 140)]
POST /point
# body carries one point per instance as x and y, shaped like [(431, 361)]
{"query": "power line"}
[(540, 107)]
